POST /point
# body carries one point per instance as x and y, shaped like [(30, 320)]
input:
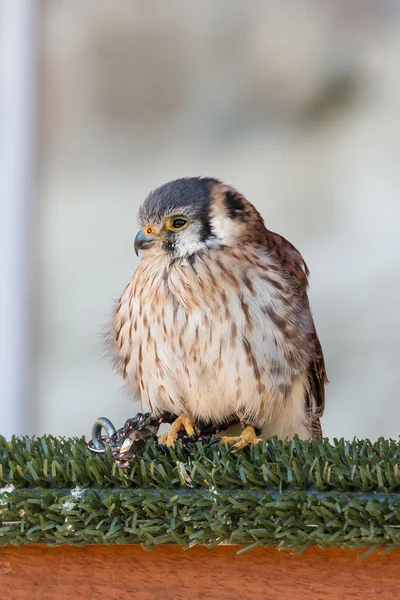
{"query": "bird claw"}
[(168, 438), (212, 442), (248, 436)]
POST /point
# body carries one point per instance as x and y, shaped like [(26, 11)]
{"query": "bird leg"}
[(248, 436), (183, 421)]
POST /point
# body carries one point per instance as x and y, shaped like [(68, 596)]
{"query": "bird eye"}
[(178, 223)]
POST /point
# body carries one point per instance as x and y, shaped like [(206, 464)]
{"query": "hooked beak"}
[(143, 241)]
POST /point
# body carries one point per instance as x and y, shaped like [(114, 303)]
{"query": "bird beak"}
[(143, 241)]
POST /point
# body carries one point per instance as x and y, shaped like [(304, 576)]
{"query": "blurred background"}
[(294, 103)]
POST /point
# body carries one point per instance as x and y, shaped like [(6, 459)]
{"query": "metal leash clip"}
[(96, 444), (126, 441)]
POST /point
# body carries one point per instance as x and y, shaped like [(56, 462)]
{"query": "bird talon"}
[(163, 448), (168, 438), (248, 436), (211, 443)]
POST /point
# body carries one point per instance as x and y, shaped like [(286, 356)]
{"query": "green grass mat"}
[(292, 495)]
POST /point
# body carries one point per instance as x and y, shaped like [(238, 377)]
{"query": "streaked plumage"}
[(216, 320)]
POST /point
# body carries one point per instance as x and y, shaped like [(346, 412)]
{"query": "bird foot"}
[(248, 436), (183, 421)]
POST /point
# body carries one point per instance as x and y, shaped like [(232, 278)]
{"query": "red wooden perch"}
[(169, 573)]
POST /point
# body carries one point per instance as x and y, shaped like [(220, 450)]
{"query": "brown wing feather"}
[(293, 264), (296, 269), (316, 397)]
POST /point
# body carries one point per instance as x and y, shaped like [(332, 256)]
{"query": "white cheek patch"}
[(189, 241), (224, 232), (223, 228)]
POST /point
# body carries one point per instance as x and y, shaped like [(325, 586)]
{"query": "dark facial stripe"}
[(206, 231), (234, 204)]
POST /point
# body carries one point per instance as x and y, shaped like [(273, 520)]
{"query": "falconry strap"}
[(125, 442)]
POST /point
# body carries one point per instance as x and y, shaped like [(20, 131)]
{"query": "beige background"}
[(296, 104)]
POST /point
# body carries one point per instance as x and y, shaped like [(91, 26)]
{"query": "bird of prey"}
[(215, 323)]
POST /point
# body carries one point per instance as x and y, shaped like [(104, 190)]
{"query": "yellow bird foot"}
[(168, 438), (248, 436)]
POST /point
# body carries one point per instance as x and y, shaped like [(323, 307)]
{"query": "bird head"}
[(187, 216)]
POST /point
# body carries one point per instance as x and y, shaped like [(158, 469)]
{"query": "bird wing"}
[(293, 264)]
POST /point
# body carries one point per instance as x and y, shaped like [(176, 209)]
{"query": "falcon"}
[(215, 324)]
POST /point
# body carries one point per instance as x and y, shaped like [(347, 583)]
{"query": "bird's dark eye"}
[(178, 223)]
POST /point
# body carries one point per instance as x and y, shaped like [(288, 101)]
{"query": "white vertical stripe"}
[(17, 110)]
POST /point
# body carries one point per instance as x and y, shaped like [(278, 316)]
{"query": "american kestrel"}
[(215, 323)]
